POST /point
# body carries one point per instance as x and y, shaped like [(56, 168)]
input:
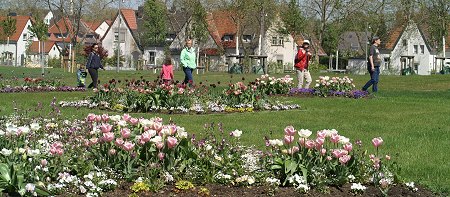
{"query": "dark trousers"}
[(94, 76), (188, 75), (374, 77)]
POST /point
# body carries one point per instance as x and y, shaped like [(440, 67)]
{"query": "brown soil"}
[(225, 191)]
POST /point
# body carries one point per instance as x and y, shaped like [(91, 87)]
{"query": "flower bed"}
[(35, 85), (331, 87), (92, 156), (146, 96)]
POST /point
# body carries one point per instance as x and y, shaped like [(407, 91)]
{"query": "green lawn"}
[(411, 114)]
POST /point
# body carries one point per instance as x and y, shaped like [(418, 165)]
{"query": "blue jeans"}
[(374, 77), (188, 75)]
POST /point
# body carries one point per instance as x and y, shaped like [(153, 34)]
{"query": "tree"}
[(438, 18), (154, 30), (292, 18), (197, 27), (39, 30), (9, 28)]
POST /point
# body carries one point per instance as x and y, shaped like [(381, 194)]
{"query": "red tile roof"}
[(130, 18), (93, 25), (393, 37), (34, 47), (21, 22), (109, 22), (221, 23), (64, 25)]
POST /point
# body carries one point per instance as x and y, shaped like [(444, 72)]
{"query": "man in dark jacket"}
[(93, 64)]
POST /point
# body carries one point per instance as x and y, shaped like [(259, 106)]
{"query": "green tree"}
[(197, 26), (292, 18), (154, 30), (438, 19), (9, 28), (39, 30)]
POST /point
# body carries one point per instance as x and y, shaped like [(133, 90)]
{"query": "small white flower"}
[(250, 180), (351, 178), (343, 140), (236, 133), (181, 134), (304, 133), (22, 150), (82, 189), (358, 187), (6, 152), (208, 147), (30, 187), (276, 142), (115, 118)]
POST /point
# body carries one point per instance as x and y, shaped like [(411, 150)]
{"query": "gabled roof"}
[(93, 25), (66, 26), (353, 41), (222, 24), (299, 41), (397, 32), (177, 19), (48, 45), (21, 22), (129, 16)]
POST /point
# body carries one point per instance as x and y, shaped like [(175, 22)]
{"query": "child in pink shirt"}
[(167, 71)]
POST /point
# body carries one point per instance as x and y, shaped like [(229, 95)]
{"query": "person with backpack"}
[(301, 65), (93, 64)]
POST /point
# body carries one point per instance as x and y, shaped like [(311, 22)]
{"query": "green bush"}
[(54, 62)]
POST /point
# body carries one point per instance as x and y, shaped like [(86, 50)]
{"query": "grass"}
[(411, 114)]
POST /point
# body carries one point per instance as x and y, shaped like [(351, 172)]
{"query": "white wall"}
[(286, 52), (20, 47), (127, 47), (101, 30), (48, 18)]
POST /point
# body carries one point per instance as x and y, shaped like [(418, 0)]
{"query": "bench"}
[(201, 68), (154, 68)]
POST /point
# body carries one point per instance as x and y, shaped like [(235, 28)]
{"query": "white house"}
[(129, 48), (48, 18), (15, 53), (50, 50), (280, 48), (407, 46)]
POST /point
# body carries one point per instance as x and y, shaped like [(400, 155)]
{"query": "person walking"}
[(188, 62), (93, 64), (373, 65), (167, 71), (301, 65)]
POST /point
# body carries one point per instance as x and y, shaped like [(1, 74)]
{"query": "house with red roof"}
[(50, 50), (14, 53), (122, 33), (65, 31), (407, 48)]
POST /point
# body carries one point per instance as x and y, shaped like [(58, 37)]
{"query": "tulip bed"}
[(35, 85), (57, 156)]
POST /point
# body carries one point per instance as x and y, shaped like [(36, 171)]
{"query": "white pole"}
[(70, 57), (337, 59), (443, 46)]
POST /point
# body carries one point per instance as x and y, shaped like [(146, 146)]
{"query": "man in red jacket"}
[(301, 64)]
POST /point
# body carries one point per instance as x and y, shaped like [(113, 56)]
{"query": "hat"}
[(306, 42), (375, 38)]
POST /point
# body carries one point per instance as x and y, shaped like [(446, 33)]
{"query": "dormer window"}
[(247, 38), (227, 38)]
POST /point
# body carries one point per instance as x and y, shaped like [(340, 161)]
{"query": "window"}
[(405, 42), (152, 58), (386, 63), (25, 37), (422, 49), (280, 62), (247, 38), (226, 38), (277, 41), (415, 49), (116, 36), (170, 37)]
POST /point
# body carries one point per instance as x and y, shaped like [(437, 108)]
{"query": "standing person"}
[(301, 64), (188, 61), (167, 71), (93, 64), (373, 66)]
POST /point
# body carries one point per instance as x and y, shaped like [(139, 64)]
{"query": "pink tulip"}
[(329, 158), (141, 142), (112, 151), (108, 137), (134, 121), (128, 146), (106, 128), (43, 162), (310, 144), (335, 138), (289, 130), (173, 129), (157, 126), (119, 142), (126, 117), (301, 141), (98, 118), (90, 117), (86, 143), (348, 147), (105, 117), (146, 128), (145, 137), (93, 141), (159, 145), (288, 139), (171, 142), (344, 159), (321, 134), (377, 141), (323, 151), (125, 132), (59, 152), (295, 149), (320, 141), (161, 156)]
